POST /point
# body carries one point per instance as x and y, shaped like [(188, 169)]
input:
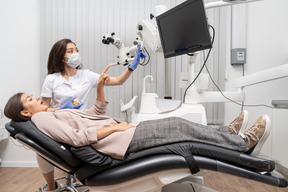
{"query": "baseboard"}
[(18, 164)]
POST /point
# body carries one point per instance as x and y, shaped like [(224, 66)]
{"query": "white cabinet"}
[(3, 132), (279, 135)]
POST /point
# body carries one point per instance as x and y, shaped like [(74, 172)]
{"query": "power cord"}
[(19, 145), (148, 56), (241, 104), (205, 61)]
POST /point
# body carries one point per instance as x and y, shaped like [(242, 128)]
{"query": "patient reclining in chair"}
[(114, 138)]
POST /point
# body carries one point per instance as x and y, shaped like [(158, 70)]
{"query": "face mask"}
[(74, 60)]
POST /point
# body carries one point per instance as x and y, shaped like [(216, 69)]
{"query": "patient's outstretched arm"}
[(99, 108), (100, 85)]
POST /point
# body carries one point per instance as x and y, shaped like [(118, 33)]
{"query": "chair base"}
[(152, 182), (70, 184)]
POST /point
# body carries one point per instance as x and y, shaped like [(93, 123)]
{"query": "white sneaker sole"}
[(264, 137), (245, 122)]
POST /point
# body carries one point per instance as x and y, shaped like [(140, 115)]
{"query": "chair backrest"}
[(28, 132)]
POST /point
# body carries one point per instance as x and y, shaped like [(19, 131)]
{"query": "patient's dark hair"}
[(13, 108), (55, 60)]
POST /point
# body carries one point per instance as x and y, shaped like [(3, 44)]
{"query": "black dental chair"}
[(149, 169)]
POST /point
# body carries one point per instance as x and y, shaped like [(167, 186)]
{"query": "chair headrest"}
[(11, 130)]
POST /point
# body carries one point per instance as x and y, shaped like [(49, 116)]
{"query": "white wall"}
[(86, 21), (20, 60), (19, 57), (267, 47)]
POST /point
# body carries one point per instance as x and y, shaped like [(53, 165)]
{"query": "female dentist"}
[(66, 81)]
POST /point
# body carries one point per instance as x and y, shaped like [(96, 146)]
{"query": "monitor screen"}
[(184, 29)]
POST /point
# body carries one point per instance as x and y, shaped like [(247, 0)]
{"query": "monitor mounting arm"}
[(148, 36), (227, 3)]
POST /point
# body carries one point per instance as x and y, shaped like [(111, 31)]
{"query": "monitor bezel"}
[(207, 45)]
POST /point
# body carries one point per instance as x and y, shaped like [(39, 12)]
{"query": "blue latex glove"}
[(139, 54), (69, 105)]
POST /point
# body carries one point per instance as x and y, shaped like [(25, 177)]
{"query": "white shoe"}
[(256, 135)]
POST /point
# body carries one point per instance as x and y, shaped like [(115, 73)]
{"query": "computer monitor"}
[(184, 29)]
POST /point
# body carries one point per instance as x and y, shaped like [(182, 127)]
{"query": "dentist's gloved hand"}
[(139, 54), (69, 105)]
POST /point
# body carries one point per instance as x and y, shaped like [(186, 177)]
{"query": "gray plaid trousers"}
[(169, 130)]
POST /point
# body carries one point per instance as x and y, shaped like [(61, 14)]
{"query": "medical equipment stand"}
[(192, 111)]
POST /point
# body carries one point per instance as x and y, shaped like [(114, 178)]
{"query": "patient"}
[(115, 138)]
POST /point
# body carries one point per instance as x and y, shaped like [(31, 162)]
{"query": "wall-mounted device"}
[(238, 56)]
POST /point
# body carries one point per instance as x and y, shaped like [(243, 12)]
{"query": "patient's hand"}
[(103, 79), (123, 126), (106, 131)]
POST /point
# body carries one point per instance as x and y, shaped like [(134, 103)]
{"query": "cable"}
[(243, 74), (241, 104), (249, 105), (148, 56), (202, 65), (13, 141), (21, 145)]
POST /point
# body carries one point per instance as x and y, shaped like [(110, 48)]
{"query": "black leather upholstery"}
[(95, 169)]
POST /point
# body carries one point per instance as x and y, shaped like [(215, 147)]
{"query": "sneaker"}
[(256, 135), (239, 124)]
